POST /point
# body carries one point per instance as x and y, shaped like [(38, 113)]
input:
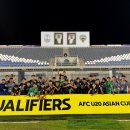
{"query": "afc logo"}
[(47, 38)]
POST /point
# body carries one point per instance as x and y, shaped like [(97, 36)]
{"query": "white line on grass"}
[(21, 122), (123, 120)]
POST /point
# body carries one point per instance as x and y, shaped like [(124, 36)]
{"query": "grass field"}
[(63, 122)]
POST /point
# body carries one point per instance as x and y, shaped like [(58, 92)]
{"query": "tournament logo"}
[(47, 38), (83, 38)]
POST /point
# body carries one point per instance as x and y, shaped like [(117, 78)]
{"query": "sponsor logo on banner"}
[(47, 38), (83, 38)]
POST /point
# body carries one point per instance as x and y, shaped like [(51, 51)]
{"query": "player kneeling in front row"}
[(15, 90), (33, 90), (42, 89)]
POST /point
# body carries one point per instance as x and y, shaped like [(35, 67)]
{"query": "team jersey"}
[(108, 87)]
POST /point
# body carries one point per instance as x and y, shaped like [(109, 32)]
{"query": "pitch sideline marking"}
[(21, 122), (123, 120)]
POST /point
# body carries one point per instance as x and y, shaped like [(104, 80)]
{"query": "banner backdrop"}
[(65, 104), (65, 39)]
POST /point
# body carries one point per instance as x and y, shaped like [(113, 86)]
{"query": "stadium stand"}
[(103, 56), (37, 56), (27, 56)]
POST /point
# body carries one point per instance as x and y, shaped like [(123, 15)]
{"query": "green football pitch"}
[(63, 122)]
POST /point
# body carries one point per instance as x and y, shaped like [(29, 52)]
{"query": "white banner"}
[(65, 39)]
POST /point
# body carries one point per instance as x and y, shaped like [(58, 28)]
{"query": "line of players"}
[(39, 86)]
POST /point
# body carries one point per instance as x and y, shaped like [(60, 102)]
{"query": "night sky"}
[(21, 21)]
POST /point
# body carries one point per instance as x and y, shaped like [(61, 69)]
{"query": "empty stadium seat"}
[(27, 56), (37, 56)]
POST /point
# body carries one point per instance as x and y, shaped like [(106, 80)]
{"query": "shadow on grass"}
[(64, 117)]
